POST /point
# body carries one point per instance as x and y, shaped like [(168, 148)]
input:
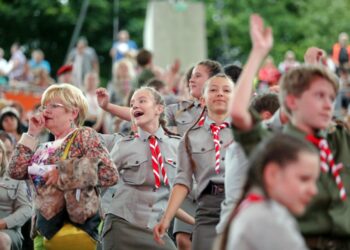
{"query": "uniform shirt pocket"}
[(10, 187), (170, 166), (134, 171)]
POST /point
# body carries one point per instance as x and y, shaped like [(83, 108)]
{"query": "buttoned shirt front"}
[(136, 199)]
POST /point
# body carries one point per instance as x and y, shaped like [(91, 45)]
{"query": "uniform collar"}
[(159, 134), (289, 128), (208, 122)]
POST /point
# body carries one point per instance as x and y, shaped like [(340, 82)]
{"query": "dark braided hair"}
[(279, 148), (187, 140)]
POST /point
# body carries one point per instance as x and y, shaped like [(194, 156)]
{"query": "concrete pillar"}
[(176, 31)]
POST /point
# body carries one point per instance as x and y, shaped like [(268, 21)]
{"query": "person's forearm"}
[(240, 106), (185, 217), (120, 111), (177, 196)]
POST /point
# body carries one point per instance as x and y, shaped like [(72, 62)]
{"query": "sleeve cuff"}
[(29, 141)]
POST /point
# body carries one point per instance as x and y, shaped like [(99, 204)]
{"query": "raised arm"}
[(103, 102), (262, 41)]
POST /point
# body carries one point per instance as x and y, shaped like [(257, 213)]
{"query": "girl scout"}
[(147, 165), (181, 115), (281, 181), (201, 154)]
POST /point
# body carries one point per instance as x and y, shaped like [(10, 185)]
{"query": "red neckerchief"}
[(327, 162)]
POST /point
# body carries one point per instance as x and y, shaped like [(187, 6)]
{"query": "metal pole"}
[(77, 27), (115, 19)]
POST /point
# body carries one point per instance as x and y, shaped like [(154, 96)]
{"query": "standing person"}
[(15, 207), (17, 64), (84, 60), (307, 94), (123, 47), (147, 166), (200, 154), (341, 51), (63, 111), (182, 116), (281, 182), (95, 115)]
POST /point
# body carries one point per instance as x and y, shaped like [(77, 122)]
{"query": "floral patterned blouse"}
[(49, 200)]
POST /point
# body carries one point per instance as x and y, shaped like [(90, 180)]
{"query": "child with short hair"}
[(307, 94)]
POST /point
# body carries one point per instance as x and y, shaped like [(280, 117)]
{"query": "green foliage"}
[(49, 24)]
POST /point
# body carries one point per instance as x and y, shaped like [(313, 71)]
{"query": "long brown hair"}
[(279, 148), (159, 100)]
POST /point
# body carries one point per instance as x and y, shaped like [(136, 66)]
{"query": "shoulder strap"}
[(66, 150)]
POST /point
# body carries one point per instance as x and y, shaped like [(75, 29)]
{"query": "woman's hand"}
[(314, 55), (160, 230), (36, 124), (102, 98), (3, 224), (51, 177), (261, 36)]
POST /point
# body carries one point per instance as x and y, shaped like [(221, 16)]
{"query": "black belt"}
[(214, 189), (327, 243)]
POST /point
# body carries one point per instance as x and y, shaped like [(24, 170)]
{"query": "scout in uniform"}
[(307, 94), (273, 192), (182, 116), (147, 163), (201, 153)]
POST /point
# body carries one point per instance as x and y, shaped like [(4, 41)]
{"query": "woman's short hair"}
[(71, 97)]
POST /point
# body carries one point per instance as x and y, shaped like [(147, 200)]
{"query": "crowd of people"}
[(217, 157)]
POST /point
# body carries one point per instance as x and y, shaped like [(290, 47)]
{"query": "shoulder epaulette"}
[(174, 136), (128, 137)]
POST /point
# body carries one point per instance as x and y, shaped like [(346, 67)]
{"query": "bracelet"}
[(32, 136)]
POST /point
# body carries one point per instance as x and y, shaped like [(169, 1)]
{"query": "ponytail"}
[(187, 140)]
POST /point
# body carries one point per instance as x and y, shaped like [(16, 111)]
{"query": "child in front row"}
[(306, 94), (281, 181), (201, 153)]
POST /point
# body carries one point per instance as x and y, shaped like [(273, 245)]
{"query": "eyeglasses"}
[(51, 106)]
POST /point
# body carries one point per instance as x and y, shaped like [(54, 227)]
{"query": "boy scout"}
[(307, 94)]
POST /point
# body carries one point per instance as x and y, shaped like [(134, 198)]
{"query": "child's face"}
[(314, 108), (294, 185), (218, 95), (144, 110), (199, 75)]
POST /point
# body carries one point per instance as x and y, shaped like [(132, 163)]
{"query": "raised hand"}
[(102, 97), (314, 55), (261, 36), (36, 124)]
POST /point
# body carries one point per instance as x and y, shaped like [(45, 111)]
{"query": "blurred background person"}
[(84, 60), (38, 62), (288, 63), (123, 47)]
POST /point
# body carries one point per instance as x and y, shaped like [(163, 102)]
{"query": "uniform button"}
[(183, 121), (203, 149), (223, 158), (221, 142), (174, 162), (137, 162), (144, 140)]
